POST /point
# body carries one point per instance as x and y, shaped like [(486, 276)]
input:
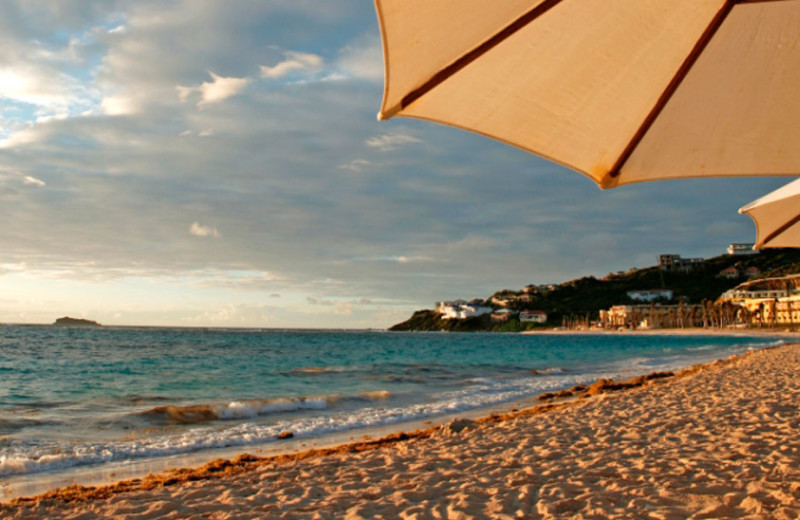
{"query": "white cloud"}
[(118, 105), (234, 279), (473, 242), (294, 62), (27, 135), (51, 91), (343, 309), (355, 165), (34, 181), (219, 89), (203, 231), (388, 142), (363, 60), (401, 259)]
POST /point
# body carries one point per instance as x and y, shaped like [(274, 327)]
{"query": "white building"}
[(502, 315), (742, 249), (649, 295), (459, 310), (501, 301), (533, 317)]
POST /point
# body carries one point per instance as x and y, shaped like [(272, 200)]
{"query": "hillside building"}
[(650, 295), (742, 249), (502, 315), (653, 316), (533, 317), (460, 310), (766, 302), (671, 262), (729, 273)]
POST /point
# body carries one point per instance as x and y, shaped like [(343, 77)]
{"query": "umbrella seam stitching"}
[(478, 51)]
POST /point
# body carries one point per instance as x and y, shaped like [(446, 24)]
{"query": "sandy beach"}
[(717, 441)]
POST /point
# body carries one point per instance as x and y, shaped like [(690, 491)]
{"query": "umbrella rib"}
[(673, 85), (477, 52), (775, 234)]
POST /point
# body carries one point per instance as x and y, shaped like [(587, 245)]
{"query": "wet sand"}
[(717, 441)]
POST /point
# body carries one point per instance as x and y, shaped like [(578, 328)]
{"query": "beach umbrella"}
[(777, 217), (622, 91)]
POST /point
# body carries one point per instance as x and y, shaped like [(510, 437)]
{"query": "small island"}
[(76, 322)]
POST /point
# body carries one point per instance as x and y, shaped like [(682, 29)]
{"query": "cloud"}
[(294, 62), (473, 242), (343, 308), (452, 215), (355, 165), (240, 313), (234, 279), (118, 105), (339, 308), (401, 259), (44, 88), (362, 59), (214, 91), (34, 181), (203, 231), (389, 142)]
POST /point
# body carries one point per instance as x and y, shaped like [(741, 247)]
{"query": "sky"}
[(211, 163)]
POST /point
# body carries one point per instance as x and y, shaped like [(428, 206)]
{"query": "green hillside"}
[(584, 297)]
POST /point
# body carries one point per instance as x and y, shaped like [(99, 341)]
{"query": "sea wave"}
[(215, 425), (25, 457), (248, 408), (14, 424), (547, 371), (317, 370), (765, 344), (254, 408)]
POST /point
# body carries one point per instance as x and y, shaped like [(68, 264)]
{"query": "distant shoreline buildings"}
[(757, 302), (461, 309)]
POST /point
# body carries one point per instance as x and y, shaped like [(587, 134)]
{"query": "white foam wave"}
[(250, 409), (767, 344), (24, 457), (28, 457)]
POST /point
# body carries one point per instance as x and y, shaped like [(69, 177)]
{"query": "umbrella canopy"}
[(777, 217), (622, 91)]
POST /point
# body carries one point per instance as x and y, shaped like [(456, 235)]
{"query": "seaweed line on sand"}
[(219, 468)]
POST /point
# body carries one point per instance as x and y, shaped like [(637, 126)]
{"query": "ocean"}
[(88, 397)]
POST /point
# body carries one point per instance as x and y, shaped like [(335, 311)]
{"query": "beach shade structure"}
[(777, 217), (622, 91)]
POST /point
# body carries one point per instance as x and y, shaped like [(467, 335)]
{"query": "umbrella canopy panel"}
[(737, 112), (777, 217), (621, 90)]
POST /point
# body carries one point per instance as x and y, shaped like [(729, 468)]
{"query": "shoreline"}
[(245, 462), (693, 331), (34, 484)]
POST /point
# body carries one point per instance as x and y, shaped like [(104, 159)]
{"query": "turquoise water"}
[(80, 396)]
